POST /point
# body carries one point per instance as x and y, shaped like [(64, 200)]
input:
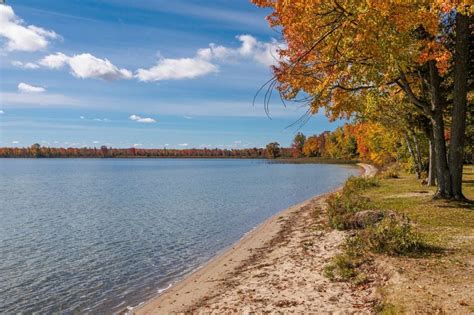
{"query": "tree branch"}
[(405, 86)]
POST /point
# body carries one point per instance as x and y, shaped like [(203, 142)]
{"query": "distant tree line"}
[(38, 151), (375, 143)]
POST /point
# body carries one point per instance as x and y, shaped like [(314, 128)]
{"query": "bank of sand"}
[(276, 268)]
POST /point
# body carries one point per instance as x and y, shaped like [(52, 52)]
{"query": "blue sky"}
[(145, 73)]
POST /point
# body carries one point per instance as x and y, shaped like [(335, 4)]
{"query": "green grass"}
[(445, 225), (440, 221), (415, 225)]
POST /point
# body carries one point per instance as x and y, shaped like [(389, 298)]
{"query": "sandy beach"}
[(276, 268)]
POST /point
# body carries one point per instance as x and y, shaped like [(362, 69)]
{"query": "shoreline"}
[(205, 282)]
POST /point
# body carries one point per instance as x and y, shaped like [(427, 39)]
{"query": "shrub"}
[(391, 172), (357, 184), (393, 236), (343, 205), (342, 267), (346, 266)]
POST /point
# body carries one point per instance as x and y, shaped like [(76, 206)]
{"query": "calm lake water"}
[(97, 235)]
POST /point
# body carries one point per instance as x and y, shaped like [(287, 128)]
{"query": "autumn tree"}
[(340, 51), (298, 144), (273, 150), (312, 146)]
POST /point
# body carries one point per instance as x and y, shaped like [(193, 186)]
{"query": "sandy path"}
[(277, 268)]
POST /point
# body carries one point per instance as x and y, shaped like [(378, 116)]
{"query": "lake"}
[(98, 235)]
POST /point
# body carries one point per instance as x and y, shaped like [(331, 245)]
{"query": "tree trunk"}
[(458, 128), (443, 176), (431, 181), (413, 155), (418, 153)]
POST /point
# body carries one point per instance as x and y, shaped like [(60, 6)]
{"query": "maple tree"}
[(298, 144), (340, 52)]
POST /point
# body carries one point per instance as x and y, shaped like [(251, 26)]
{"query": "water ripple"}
[(98, 235)]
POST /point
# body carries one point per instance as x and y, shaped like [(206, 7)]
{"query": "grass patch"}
[(433, 225), (391, 172)]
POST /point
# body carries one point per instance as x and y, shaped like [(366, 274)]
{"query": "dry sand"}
[(277, 268)]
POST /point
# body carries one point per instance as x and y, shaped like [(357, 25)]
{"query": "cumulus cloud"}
[(176, 69), (25, 65), (54, 61), (15, 142), (265, 53), (183, 144), (19, 36), (28, 88), (2, 112), (142, 119), (86, 66), (206, 60)]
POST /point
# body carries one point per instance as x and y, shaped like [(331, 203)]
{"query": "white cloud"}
[(28, 88), (25, 65), (95, 142), (20, 36), (86, 66), (183, 144), (137, 145), (54, 61), (214, 52), (248, 44), (15, 142), (204, 62), (82, 117), (264, 53), (101, 119), (2, 112), (176, 69), (142, 119)]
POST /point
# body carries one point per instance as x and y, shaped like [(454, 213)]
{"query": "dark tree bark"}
[(458, 128), (443, 176), (431, 180), (413, 155), (418, 152)]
